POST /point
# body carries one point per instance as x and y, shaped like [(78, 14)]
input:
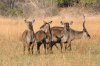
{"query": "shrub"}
[(15, 12), (88, 2), (7, 10), (97, 5), (66, 3), (3, 8)]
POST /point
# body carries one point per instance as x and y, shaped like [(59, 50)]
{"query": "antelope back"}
[(56, 31), (40, 36), (74, 34)]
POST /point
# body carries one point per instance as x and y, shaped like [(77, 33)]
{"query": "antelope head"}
[(45, 26), (29, 24), (66, 25)]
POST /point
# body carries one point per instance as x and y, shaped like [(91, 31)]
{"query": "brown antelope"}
[(28, 37), (62, 33), (74, 34), (65, 32), (40, 39), (46, 27), (54, 34), (43, 38)]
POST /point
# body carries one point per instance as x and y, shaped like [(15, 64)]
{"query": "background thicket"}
[(42, 7)]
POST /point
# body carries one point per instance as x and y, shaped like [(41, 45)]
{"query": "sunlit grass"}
[(84, 52)]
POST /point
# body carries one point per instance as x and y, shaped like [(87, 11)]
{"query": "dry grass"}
[(84, 53)]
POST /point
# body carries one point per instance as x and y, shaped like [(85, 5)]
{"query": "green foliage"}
[(2, 5), (88, 2), (72, 2), (50, 6), (66, 3), (95, 4), (5, 10), (15, 12)]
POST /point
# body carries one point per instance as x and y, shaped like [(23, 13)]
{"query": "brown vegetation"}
[(84, 52)]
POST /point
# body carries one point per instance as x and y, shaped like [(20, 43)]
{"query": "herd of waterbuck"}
[(50, 36)]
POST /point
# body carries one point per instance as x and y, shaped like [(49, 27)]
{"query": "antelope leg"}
[(56, 46), (61, 47), (24, 49)]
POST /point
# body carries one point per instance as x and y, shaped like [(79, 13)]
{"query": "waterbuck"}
[(54, 34), (43, 38), (74, 34), (40, 39), (28, 37), (65, 32), (62, 33)]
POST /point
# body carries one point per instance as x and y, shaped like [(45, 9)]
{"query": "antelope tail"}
[(84, 22)]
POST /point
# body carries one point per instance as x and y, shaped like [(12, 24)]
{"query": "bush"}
[(97, 5), (6, 10), (94, 4), (88, 2), (65, 3), (15, 12), (3, 8), (42, 7)]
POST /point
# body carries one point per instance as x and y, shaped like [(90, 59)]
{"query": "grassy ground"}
[(84, 52)]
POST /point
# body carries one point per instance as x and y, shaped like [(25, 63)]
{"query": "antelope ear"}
[(33, 21), (61, 23), (44, 22), (71, 23), (25, 21), (83, 16), (50, 22)]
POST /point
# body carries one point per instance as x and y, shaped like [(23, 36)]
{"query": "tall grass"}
[(84, 52)]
